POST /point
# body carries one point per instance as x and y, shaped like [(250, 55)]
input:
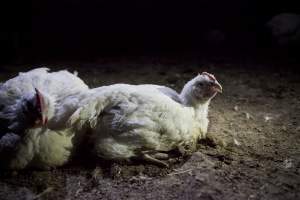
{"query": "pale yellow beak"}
[(218, 87)]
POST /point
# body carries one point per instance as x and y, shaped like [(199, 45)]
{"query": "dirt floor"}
[(254, 124)]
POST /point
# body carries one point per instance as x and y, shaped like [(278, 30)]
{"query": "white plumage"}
[(40, 148), (25, 144), (145, 121), (59, 89)]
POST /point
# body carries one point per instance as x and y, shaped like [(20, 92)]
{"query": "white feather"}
[(126, 119), (40, 147)]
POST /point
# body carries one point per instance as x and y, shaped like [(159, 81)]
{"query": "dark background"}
[(83, 29)]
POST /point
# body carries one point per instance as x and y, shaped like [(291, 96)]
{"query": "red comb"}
[(210, 76), (40, 100)]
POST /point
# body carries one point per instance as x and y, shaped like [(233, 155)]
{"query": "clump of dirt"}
[(252, 150)]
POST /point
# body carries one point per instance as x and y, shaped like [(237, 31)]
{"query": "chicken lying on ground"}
[(143, 121), (38, 97), (34, 108)]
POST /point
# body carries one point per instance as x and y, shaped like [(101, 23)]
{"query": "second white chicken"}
[(146, 121)]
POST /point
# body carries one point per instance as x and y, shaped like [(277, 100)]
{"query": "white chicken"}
[(143, 121), (38, 97), (34, 108)]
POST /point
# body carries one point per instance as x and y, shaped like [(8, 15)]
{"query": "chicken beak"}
[(217, 87)]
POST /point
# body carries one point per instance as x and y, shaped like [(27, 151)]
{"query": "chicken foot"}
[(156, 158)]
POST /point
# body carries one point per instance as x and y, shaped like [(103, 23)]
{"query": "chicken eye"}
[(211, 84), (200, 84)]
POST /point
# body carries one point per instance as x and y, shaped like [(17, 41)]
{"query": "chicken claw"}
[(156, 158)]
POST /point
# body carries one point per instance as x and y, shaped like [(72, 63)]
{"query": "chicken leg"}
[(156, 158)]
